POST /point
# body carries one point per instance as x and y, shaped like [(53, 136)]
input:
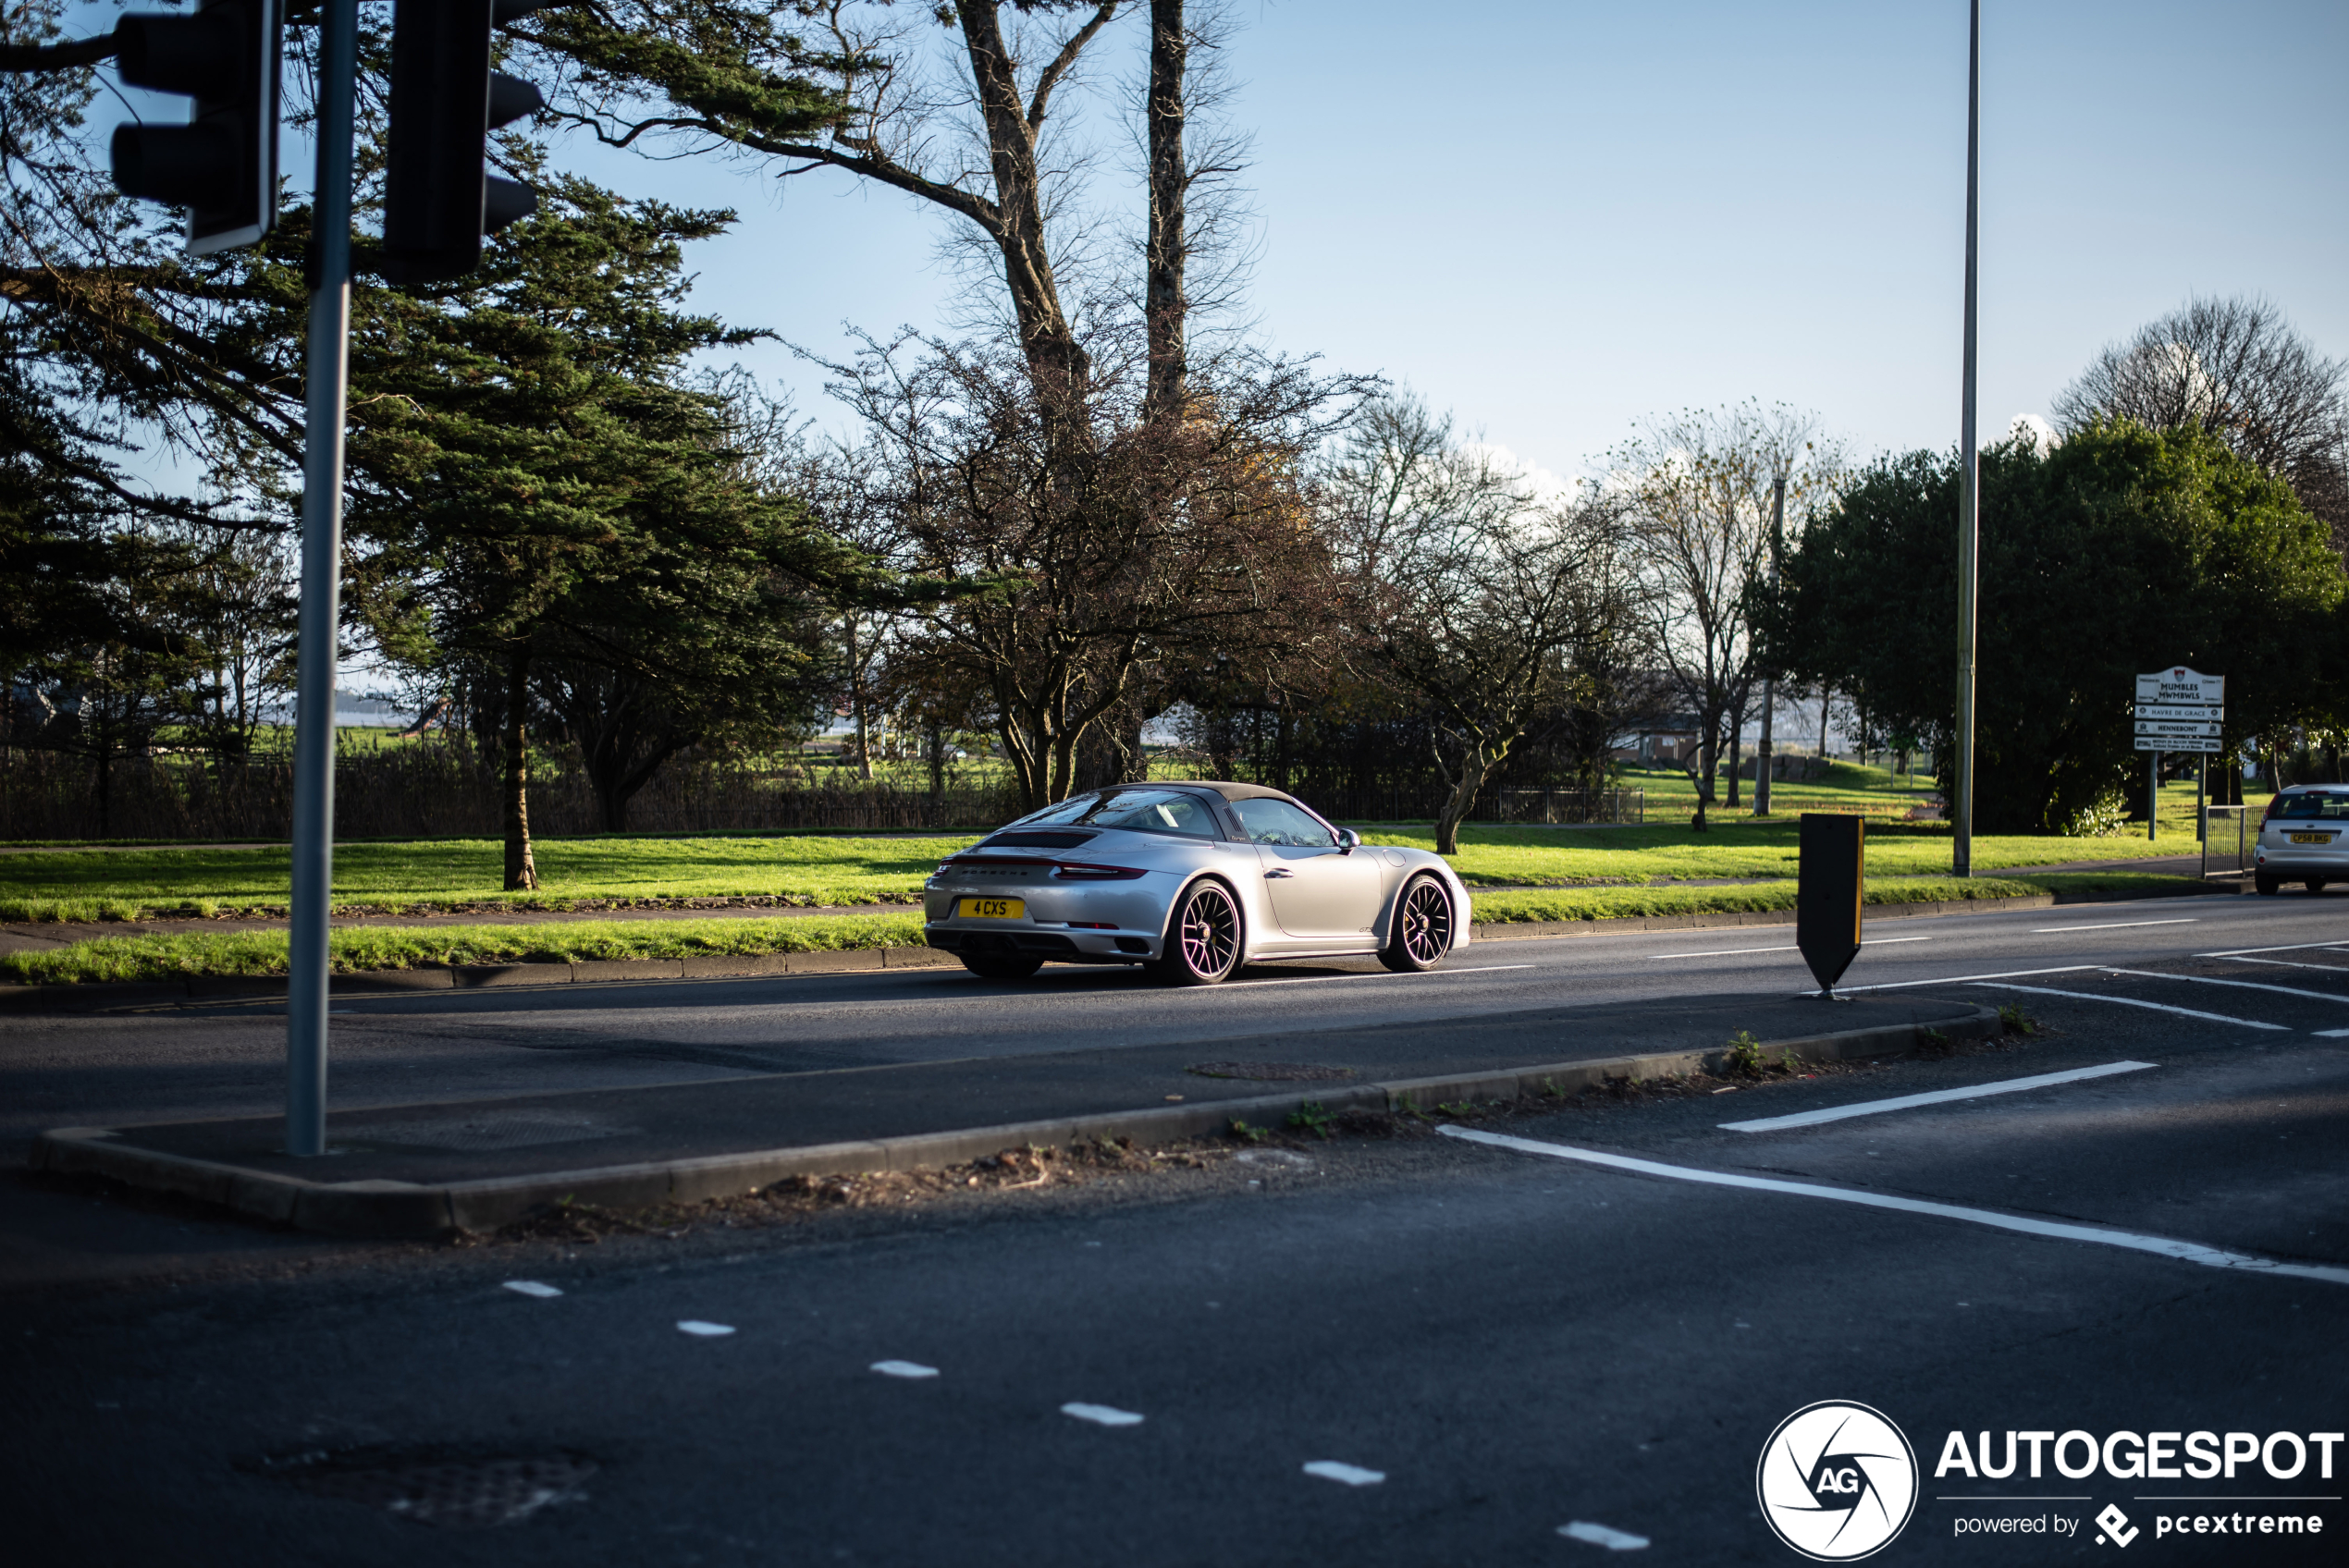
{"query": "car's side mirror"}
[(1348, 840)]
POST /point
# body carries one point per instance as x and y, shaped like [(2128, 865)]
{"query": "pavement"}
[(1410, 1350)]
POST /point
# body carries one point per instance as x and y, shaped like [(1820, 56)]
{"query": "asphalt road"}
[(1515, 1343)]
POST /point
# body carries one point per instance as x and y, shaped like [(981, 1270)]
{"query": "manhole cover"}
[(455, 1493), (482, 1132), (1272, 1072)]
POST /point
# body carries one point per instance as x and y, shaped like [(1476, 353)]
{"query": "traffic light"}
[(221, 165), (439, 198)]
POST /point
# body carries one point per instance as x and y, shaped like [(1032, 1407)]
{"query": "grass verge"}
[(253, 954)]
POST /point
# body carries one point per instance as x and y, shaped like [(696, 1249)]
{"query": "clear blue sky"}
[(1555, 217)]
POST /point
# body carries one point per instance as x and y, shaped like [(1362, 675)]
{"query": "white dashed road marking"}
[(2162, 1247), (2110, 925), (2131, 1001), (707, 1330), (533, 1288), (1599, 1535), (2278, 962), (1317, 979), (1939, 1097), (1958, 979), (1352, 1475), (904, 1369), (1734, 952), (1102, 1415)]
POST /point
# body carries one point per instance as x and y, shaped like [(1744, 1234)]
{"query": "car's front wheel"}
[(1202, 939), (1423, 929), (2265, 883)]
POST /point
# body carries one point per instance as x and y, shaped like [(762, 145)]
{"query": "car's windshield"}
[(1271, 821), (1147, 811), (2316, 802)]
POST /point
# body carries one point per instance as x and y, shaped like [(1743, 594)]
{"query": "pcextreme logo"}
[(1837, 1480)]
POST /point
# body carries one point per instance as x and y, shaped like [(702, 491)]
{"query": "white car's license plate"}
[(2312, 837), (991, 909)]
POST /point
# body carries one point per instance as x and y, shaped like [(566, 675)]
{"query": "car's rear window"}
[(2316, 802), (1146, 811)]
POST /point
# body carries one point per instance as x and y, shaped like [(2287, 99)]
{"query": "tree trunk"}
[(1475, 767), (522, 876), (1169, 243), (1737, 744)]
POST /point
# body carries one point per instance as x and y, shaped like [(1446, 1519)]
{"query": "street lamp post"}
[(1969, 498)]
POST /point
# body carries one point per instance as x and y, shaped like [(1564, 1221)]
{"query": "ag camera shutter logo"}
[(1838, 1481)]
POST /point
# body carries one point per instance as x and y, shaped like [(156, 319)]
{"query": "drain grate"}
[(1272, 1072), (454, 1492), (481, 1134)]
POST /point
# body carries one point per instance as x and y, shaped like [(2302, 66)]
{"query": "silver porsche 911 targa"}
[(1191, 881)]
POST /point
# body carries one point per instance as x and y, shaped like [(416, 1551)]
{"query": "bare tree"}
[(1473, 597), (1700, 487), (2236, 368)]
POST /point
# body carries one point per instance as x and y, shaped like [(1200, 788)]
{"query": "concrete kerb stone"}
[(382, 1208)]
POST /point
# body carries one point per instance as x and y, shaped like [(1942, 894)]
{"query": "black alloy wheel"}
[(1422, 932), (1009, 967), (1203, 940)]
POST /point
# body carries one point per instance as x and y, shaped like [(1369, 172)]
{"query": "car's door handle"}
[(1278, 871)]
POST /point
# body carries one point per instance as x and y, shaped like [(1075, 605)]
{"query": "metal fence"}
[(2229, 835)]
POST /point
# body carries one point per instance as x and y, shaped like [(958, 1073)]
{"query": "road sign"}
[(2180, 743), (2175, 727), (2179, 684), (2179, 710)]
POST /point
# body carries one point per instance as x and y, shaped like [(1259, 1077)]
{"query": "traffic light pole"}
[(326, 376)]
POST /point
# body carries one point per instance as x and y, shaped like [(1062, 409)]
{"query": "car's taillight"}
[(1068, 873)]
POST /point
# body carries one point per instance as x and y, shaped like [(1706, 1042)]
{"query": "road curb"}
[(1508, 930), (381, 1209), (474, 976)]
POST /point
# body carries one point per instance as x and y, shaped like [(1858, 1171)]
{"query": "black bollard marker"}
[(1826, 895)]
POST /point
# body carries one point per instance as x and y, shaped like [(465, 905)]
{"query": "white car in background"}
[(2303, 838), (1191, 881)]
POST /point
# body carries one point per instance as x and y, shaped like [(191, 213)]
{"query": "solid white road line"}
[(904, 1369), (1732, 952), (2243, 984), (2131, 1001), (2110, 925), (1101, 1414), (2279, 962), (1958, 979), (2162, 1247), (533, 1288), (1939, 1097), (2286, 948), (1317, 979), (1352, 1475), (1599, 1535)]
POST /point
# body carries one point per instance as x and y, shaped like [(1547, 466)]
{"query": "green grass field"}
[(825, 869)]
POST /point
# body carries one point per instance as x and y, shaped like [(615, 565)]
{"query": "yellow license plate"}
[(991, 909), (2312, 837)]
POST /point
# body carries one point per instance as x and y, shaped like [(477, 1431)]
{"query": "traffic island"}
[(426, 1169)]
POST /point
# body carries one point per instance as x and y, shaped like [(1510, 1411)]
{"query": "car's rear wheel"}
[(1202, 939), (2315, 884), (2265, 883), (1423, 929), (992, 967)]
